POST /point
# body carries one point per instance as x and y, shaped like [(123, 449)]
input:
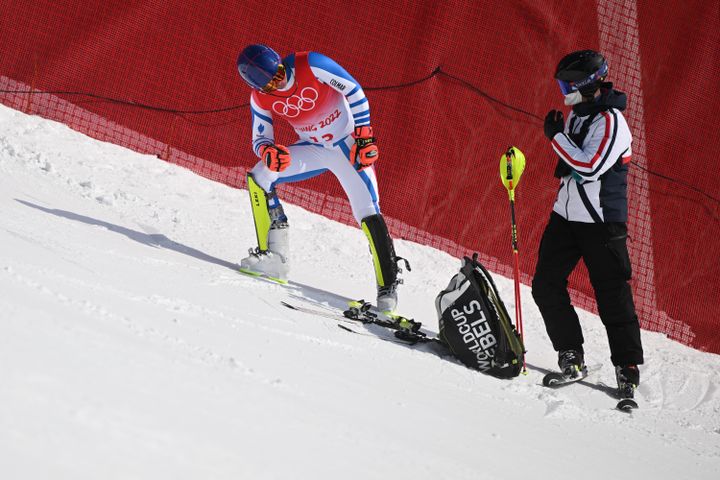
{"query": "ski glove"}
[(554, 123), (276, 157), (365, 152)]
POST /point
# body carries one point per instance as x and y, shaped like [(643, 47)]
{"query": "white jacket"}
[(596, 189)]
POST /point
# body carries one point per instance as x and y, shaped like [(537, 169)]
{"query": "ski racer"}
[(589, 219), (328, 110)]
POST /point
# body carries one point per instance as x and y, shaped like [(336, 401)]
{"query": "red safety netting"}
[(451, 85)]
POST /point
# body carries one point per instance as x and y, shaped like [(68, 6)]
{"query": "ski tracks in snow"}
[(167, 308)]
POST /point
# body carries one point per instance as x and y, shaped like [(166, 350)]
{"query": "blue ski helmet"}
[(258, 64)]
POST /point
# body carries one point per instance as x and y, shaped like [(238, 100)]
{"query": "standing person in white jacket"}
[(589, 220)]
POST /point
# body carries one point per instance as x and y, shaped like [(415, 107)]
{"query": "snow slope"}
[(131, 348)]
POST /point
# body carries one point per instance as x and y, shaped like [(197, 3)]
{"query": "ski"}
[(315, 311), (405, 330), (366, 312), (393, 339), (253, 274), (557, 379)]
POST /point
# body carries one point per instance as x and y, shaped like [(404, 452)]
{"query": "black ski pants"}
[(603, 248)]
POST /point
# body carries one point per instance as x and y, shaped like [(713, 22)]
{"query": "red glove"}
[(365, 152), (276, 157)]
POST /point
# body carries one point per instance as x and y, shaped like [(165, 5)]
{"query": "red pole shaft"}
[(518, 304)]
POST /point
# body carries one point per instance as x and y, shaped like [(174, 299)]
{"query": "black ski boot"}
[(571, 363), (572, 369), (628, 378)]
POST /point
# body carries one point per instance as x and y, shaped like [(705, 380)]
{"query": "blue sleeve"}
[(331, 73), (318, 60)]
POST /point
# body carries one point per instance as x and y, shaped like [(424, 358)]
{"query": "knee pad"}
[(382, 249)]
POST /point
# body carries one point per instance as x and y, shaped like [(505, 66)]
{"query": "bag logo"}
[(292, 107), (475, 331)]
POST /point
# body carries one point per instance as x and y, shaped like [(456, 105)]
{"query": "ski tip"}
[(552, 380), (627, 405)]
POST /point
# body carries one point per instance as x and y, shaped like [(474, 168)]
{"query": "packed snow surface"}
[(130, 347)]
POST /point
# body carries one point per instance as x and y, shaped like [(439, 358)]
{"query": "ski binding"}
[(406, 331), (366, 312), (557, 379)]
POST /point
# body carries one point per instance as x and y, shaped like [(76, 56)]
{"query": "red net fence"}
[(451, 85)]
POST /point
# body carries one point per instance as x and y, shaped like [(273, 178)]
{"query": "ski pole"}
[(512, 164)]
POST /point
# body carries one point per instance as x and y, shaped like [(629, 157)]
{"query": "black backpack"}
[(475, 325)]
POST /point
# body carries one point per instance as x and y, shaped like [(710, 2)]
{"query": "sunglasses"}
[(275, 80)]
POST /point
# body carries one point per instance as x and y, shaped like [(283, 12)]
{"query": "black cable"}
[(407, 84), (675, 180), (437, 71), (490, 97), (130, 103)]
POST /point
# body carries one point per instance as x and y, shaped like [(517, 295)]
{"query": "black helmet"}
[(581, 71)]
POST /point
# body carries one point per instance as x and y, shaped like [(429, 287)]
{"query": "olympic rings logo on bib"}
[(292, 107)]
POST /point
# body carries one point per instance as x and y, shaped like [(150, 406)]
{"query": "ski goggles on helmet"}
[(275, 80), (569, 87)]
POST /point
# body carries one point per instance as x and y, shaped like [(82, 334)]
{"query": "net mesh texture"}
[(451, 85)]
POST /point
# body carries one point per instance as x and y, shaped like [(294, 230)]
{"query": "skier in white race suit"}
[(328, 110)]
